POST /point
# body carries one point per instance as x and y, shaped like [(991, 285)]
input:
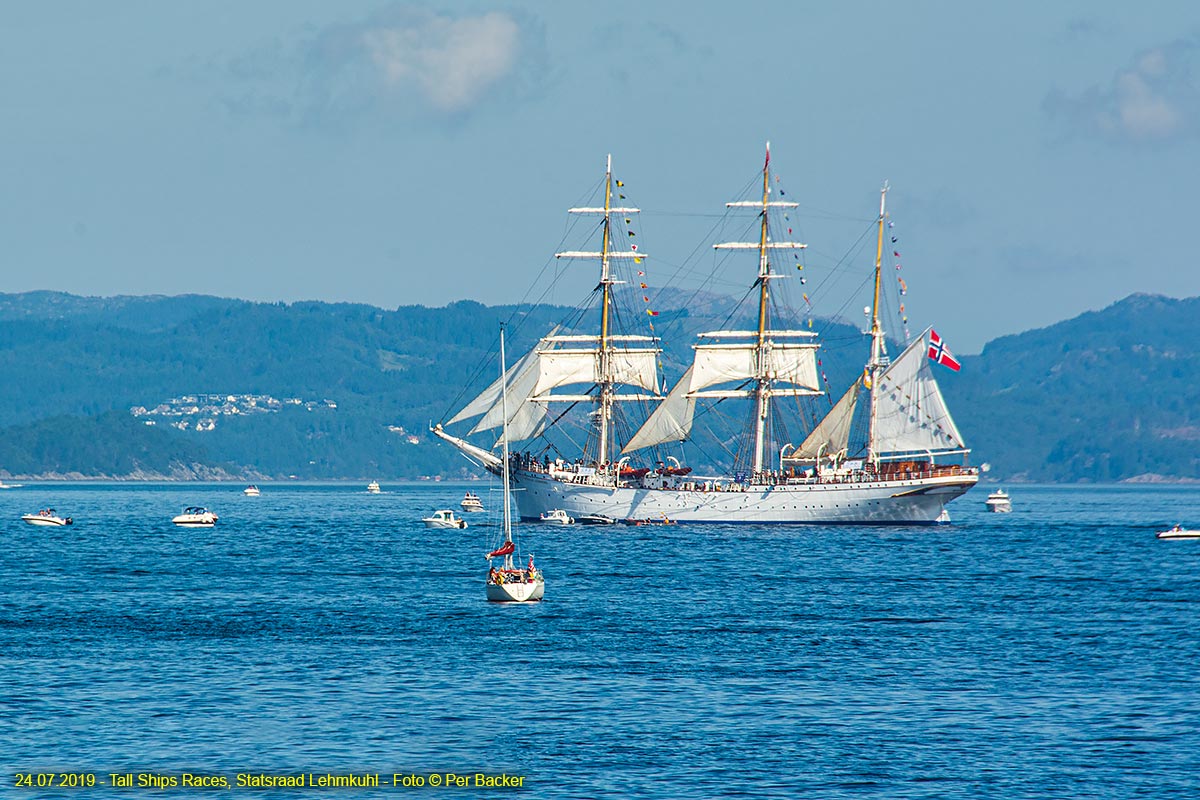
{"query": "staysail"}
[(911, 414)]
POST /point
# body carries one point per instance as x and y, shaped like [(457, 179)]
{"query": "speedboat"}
[(251, 491), (195, 517), (444, 519), (45, 517), (373, 487), (556, 516), (663, 520), (999, 502), (1178, 532), (472, 502), (595, 519)]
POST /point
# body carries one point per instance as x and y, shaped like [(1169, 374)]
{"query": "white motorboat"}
[(4, 485), (444, 519), (509, 583), (556, 516), (251, 491), (472, 503), (47, 517), (1178, 532), (373, 487), (999, 502), (195, 517)]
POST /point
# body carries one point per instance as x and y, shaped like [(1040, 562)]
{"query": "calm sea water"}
[(1051, 652)]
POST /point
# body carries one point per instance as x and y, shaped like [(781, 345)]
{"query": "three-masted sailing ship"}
[(899, 474)]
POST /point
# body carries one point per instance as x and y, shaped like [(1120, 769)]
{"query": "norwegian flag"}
[(940, 353)]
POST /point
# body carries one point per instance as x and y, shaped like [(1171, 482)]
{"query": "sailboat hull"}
[(915, 501), (523, 592)]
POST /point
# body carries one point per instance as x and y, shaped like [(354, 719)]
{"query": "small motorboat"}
[(556, 516), (999, 502), (444, 519), (595, 519), (46, 517), (195, 517), (373, 487), (251, 491), (1178, 532), (472, 503)]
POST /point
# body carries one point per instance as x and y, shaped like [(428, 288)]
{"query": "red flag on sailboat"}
[(504, 550), (940, 353)]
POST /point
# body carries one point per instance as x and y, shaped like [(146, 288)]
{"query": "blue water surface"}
[(1051, 652)]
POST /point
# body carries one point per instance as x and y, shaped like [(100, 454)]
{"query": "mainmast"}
[(879, 359), (763, 378)]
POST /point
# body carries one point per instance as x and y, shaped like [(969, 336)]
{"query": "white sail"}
[(490, 396), (671, 421), (832, 434), (787, 362), (629, 366), (911, 415), (520, 388)]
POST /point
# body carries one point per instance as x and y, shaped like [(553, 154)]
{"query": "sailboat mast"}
[(763, 393), (508, 562), (606, 292), (878, 349)]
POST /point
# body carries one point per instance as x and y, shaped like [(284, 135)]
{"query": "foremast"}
[(879, 359), (607, 381)]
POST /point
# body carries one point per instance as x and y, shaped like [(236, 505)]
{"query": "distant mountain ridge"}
[(1108, 395)]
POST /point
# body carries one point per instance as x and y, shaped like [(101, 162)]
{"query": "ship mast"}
[(508, 562), (606, 381), (879, 359)]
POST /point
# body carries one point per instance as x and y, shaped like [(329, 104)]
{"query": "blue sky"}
[(1043, 156)]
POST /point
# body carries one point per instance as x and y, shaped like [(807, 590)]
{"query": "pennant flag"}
[(803, 280), (781, 193), (893, 240), (897, 266), (633, 247), (940, 353), (807, 300), (638, 260), (891, 224), (896, 253), (640, 273), (644, 286), (631, 233), (621, 196), (903, 286), (620, 183), (652, 313), (789, 231), (628, 221), (647, 299)]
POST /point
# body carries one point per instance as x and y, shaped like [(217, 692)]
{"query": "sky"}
[(1043, 157)]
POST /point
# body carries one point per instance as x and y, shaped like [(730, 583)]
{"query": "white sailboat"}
[(897, 475), (509, 583)]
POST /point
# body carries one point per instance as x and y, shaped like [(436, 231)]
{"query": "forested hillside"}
[(348, 391)]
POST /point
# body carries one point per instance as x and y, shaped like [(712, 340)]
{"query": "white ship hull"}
[(915, 501)]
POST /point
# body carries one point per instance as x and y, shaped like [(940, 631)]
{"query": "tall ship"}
[(886, 452)]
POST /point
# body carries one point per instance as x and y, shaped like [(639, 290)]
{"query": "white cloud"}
[(1155, 99), (450, 62)]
